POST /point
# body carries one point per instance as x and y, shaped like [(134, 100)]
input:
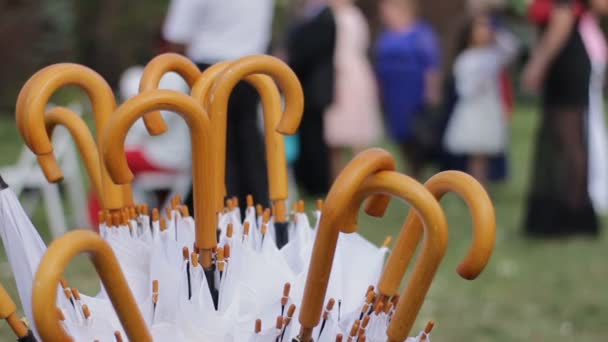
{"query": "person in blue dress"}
[(408, 58)]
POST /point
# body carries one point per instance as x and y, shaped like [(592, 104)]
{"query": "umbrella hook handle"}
[(82, 137), (30, 109), (152, 75), (53, 264), (484, 231), (261, 72), (203, 173), (333, 220), (8, 312)]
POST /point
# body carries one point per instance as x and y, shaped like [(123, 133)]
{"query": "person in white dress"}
[(478, 126)]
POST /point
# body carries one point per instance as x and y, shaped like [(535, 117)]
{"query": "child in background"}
[(478, 125), (407, 66)]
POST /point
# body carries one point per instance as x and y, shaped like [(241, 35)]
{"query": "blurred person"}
[(407, 67), (477, 127), (351, 122), (208, 32), (310, 50), (568, 66)]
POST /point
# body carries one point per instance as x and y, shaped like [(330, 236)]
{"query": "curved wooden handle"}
[(84, 141), (53, 264), (339, 199), (275, 145), (433, 249), (32, 107), (249, 68), (8, 312), (203, 174), (150, 80), (484, 231)]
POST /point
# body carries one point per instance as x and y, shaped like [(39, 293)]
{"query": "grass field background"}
[(532, 290)]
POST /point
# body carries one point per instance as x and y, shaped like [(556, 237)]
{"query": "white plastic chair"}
[(26, 175)]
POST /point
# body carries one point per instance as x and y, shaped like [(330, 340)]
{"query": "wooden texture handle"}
[(433, 248), (256, 70), (32, 103), (274, 141), (53, 264), (8, 312), (339, 199), (203, 174), (84, 141), (484, 231), (150, 80)]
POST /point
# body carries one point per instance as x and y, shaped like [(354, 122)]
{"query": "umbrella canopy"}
[(219, 275)]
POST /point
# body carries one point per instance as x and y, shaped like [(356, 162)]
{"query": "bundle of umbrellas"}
[(267, 274)]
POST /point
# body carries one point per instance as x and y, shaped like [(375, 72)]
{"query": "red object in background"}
[(539, 11), (138, 163), (508, 95)]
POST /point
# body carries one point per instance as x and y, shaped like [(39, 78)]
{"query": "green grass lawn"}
[(531, 290)]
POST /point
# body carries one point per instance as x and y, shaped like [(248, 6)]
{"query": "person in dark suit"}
[(310, 49)]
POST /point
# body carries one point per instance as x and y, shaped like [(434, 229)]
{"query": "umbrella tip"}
[(226, 252), (75, 293), (163, 224), (279, 323), (259, 210), (184, 211), (429, 327), (301, 206), (60, 314), (118, 336), (155, 291), (355, 328), (266, 215), (320, 204), (379, 308), (264, 228), (387, 241), (155, 215), (230, 204), (339, 338), (63, 282), (86, 311), (185, 253), (365, 322), (230, 230), (258, 326), (194, 259), (249, 200), (291, 310), (246, 228)]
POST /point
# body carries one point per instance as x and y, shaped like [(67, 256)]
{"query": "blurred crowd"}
[(446, 108)]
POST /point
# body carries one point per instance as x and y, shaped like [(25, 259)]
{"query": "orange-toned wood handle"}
[(274, 141), (53, 264), (203, 174), (433, 249), (150, 80), (253, 69), (32, 108), (339, 199), (83, 138), (484, 231), (8, 312), (200, 91)]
